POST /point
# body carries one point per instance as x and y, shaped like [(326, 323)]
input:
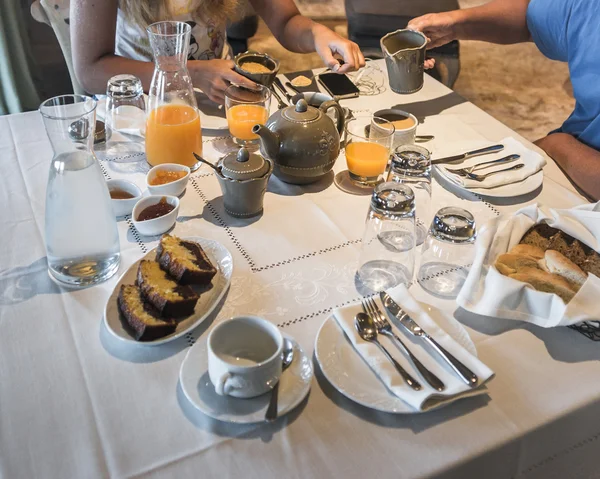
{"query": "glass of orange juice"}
[(246, 108), (368, 145)]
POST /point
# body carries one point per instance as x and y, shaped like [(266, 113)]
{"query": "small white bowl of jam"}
[(156, 214), (123, 196), (168, 179)]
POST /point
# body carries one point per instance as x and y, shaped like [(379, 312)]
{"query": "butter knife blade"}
[(468, 376), (469, 154)]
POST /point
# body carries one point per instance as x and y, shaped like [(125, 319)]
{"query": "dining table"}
[(76, 402)]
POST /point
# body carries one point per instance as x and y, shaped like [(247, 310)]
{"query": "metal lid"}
[(301, 112), (395, 198), (454, 225), (243, 165)]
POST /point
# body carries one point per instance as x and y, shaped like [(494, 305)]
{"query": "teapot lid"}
[(243, 165), (301, 113)]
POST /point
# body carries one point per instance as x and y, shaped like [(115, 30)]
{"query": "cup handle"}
[(221, 386)]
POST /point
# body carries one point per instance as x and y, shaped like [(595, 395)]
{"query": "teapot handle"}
[(341, 120)]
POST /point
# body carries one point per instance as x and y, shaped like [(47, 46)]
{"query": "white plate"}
[(351, 376), (219, 256), (529, 184), (196, 385)]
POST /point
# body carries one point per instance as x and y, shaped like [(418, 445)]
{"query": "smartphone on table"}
[(338, 86)]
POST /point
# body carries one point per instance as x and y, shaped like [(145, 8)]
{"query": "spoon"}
[(366, 329), (202, 160), (424, 138), (288, 357)]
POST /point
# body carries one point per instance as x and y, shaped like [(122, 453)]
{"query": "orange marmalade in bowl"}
[(162, 177)]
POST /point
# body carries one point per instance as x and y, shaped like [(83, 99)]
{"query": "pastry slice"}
[(142, 317), (185, 261), (163, 292)]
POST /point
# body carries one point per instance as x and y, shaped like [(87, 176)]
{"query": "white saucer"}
[(196, 385), (347, 372)]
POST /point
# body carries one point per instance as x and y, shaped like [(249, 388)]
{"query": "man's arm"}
[(499, 21), (580, 162)]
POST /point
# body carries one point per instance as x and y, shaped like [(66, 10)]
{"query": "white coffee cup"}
[(244, 356), (404, 136)]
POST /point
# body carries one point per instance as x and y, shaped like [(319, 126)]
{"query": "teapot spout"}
[(269, 141)]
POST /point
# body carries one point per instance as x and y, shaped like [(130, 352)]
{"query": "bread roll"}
[(563, 266), (546, 282), (510, 263), (529, 250)]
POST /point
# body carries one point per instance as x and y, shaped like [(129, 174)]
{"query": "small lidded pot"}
[(243, 179)]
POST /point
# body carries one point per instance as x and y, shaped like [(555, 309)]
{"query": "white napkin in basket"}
[(532, 160), (489, 293), (427, 398)]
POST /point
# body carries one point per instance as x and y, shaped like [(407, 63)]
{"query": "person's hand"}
[(214, 76), (439, 28), (328, 43)]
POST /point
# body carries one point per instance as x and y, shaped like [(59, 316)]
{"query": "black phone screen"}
[(338, 85)]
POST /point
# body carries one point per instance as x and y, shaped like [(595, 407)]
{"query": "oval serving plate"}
[(209, 299)]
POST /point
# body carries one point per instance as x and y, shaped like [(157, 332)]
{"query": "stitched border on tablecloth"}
[(253, 266), (551, 458)]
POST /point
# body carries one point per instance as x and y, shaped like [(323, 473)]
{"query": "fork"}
[(384, 327), (484, 165), (475, 177)]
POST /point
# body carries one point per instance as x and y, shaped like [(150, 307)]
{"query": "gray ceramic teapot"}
[(243, 178), (302, 141)]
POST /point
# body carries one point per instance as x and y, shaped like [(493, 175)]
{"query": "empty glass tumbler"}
[(82, 241), (448, 252), (388, 246), (125, 116), (411, 165)]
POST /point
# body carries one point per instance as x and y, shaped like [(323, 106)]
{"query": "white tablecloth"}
[(74, 402)]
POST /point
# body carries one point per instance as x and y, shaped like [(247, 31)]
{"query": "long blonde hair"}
[(145, 12)]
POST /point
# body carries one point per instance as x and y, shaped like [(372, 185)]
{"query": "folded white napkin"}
[(532, 160), (427, 398), (489, 293)]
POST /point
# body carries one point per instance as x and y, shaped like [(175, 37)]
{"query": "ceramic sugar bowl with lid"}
[(243, 179)]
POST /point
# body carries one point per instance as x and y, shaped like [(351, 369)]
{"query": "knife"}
[(413, 328), (468, 154), (278, 84)]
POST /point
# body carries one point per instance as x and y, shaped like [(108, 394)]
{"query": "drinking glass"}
[(82, 241), (387, 256), (125, 115), (173, 131), (246, 108), (448, 252), (368, 143), (411, 165)]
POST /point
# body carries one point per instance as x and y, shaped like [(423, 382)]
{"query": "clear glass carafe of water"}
[(82, 241), (173, 132)]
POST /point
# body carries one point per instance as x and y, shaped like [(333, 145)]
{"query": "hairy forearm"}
[(500, 21), (94, 75), (580, 162)]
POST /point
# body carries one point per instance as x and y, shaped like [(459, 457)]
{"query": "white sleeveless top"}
[(207, 40)]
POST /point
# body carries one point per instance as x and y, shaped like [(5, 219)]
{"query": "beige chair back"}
[(56, 14)]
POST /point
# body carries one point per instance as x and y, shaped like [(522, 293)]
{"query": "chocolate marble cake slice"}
[(185, 261), (163, 292), (143, 319)]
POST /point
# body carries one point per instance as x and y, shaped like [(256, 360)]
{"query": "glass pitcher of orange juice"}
[(173, 131)]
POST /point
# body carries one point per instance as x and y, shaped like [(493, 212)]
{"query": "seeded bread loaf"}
[(185, 261), (168, 297), (142, 317)]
